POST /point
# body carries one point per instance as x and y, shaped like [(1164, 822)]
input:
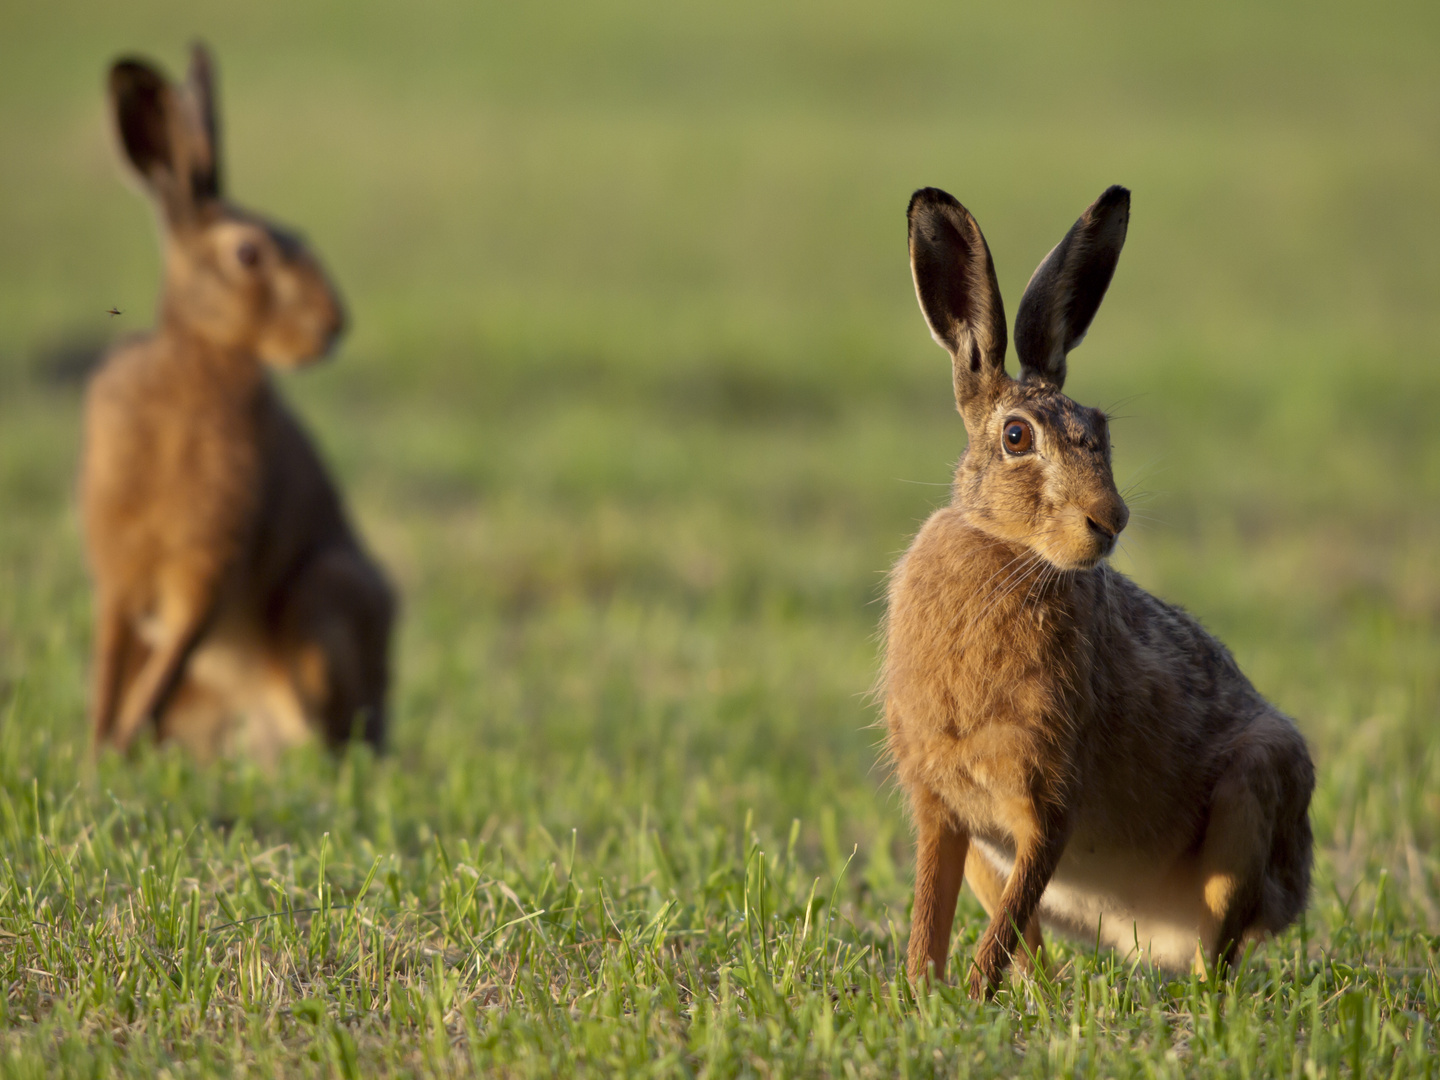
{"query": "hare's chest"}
[(987, 776)]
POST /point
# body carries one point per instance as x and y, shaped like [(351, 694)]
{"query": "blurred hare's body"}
[(234, 604), (1088, 756)]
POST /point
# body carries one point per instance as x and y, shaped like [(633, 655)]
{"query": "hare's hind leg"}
[(1230, 879), (1251, 804), (195, 717), (337, 632), (940, 849), (988, 885)]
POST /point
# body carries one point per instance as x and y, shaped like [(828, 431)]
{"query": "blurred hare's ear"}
[(1066, 289), (206, 177), (143, 102), (161, 133), (955, 284)]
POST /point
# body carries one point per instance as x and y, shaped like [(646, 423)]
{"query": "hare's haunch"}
[(1083, 754), (234, 605)]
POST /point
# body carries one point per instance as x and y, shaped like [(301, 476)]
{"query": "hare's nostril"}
[(1096, 527)]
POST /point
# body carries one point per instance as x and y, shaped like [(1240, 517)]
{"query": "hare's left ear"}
[(1066, 289), (201, 84)]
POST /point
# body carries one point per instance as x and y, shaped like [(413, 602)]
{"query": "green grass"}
[(638, 409)]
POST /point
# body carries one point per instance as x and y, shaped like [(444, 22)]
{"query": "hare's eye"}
[(1018, 437), (248, 253)]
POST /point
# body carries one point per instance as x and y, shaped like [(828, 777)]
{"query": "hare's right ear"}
[(959, 296), (161, 137)]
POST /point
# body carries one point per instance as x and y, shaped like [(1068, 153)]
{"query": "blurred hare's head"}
[(231, 277), (1037, 468)]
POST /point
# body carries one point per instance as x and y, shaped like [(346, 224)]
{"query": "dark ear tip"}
[(200, 55), (133, 69), (1114, 195), (929, 197)]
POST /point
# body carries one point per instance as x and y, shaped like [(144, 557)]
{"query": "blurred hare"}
[(1085, 754), (234, 604)]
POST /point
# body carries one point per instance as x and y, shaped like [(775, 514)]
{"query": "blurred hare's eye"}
[(1018, 437), (248, 253)]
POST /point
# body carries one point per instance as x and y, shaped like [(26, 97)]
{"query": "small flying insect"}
[(114, 311)]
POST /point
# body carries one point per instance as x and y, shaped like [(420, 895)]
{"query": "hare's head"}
[(231, 277), (1037, 468)]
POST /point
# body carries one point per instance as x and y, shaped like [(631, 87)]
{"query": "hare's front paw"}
[(986, 971)]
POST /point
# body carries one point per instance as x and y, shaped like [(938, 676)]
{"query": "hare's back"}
[(302, 512), (1159, 709), (1156, 661)]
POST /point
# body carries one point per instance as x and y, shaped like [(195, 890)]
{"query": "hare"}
[(1086, 755), (234, 605)]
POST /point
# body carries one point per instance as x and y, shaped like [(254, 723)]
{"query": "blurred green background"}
[(638, 407)]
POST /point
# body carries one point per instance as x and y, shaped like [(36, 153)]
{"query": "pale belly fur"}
[(236, 698), (1148, 912)]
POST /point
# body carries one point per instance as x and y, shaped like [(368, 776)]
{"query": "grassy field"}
[(638, 409)]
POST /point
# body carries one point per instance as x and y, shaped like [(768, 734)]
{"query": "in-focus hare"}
[(234, 604), (1087, 755)]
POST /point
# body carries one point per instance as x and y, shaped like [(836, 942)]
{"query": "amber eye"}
[(1018, 437), (249, 254)]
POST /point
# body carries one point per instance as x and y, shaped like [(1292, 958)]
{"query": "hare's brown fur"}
[(235, 606), (1088, 754)]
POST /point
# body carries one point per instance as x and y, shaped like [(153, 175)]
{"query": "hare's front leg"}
[(1039, 842), (186, 609), (988, 885), (940, 848), (115, 654)]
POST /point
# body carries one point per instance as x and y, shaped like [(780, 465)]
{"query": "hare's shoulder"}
[(153, 383), (125, 373), (946, 551), (957, 576), (170, 445), (946, 592), (122, 421)]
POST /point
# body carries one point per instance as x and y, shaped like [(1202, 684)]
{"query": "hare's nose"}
[(337, 322), (1107, 522)]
